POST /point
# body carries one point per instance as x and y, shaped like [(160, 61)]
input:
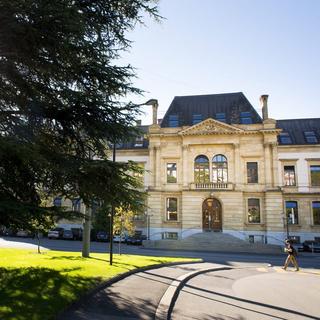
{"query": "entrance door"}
[(211, 215)]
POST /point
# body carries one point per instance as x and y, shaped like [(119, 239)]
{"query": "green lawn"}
[(37, 286)]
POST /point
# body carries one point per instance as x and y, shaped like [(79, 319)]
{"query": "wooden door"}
[(211, 215)]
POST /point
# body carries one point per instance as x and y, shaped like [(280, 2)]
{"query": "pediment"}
[(210, 126)]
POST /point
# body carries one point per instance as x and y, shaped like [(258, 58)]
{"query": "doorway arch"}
[(211, 215)]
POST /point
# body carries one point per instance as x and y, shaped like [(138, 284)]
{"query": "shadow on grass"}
[(38, 293)]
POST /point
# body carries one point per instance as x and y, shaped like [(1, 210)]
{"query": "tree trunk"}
[(86, 233)]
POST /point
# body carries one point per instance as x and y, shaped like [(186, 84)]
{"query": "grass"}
[(37, 286)]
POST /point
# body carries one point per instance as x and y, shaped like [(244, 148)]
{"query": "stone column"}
[(267, 165), (157, 170), (152, 166), (274, 152), (185, 171), (236, 167)]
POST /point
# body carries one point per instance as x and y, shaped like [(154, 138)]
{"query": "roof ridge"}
[(209, 94), (297, 119)]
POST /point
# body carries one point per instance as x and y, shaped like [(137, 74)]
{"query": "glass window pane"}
[(172, 209), (173, 120), (310, 137), (289, 176), (219, 169), (285, 138), (292, 212), (171, 172), (315, 175), (253, 210), (201, 169), (316, 212), (196, 118), (252, 172)]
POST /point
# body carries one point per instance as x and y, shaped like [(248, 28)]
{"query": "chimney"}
[(264, 104), (154, 113)]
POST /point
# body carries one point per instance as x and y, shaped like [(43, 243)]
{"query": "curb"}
[(83, 298), (170, 297)]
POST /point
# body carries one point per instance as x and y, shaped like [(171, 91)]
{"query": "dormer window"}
[(285, 138), (139, 141), (245, 118), (221, 117), (173, 120), (196, 118), (310, 137)]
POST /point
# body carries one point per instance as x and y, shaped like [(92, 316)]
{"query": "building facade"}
[(213, 164)]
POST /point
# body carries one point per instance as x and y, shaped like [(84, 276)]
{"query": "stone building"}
[(213, 164)]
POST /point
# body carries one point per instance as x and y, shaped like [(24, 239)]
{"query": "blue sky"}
[(215, 46)]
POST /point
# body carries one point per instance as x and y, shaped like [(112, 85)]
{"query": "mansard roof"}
[(136, 144), (296, 129), (231, 104)]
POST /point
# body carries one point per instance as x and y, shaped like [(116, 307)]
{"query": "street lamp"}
[(148, 224), (285, 223), (112, 211)]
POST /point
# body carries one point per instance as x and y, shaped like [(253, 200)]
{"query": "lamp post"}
[(285, 223), (112, 212), (147, 215)]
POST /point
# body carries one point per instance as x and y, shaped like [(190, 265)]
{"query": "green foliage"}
[(62, 97), (38, 286), (123, 221)]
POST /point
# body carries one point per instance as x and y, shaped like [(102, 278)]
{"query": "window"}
[(221, 117), (196, 118), (201, 169), (219, 169), (172, 209), (252, 172), (253, 210), (57, 202), (171, 173), (170, 235), (139, 141), (289, 176), (285, 138), (310, 137), (315, 175), (292, 212), (316, 212), (173, 120), (245, 118), (76, 204)]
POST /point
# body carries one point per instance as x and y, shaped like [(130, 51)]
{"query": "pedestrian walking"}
[(292, 253)]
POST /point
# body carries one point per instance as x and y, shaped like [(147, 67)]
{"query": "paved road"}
[(306, 260), (250, 293)]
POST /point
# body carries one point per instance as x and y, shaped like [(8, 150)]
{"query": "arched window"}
[(201, 169), (219, 169)]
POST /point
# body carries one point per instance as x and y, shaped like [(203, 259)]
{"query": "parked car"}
[(102, 236), (55, 233), (117, 238), (135, 240), (67, 235), (23, 234), (310, 246)]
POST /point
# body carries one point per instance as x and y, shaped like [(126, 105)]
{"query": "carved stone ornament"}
[(210, 126)]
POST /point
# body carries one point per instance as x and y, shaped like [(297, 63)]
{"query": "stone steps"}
[(212, 241)]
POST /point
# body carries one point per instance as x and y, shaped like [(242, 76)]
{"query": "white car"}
[(55, 233), (117, 238)]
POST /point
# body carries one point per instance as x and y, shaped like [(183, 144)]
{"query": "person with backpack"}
[(292, 253)]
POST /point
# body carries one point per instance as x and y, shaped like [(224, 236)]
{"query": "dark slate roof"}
[(132, 143), (297, 127), (208, 105)]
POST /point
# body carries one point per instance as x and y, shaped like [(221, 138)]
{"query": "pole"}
[(112, 212)]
